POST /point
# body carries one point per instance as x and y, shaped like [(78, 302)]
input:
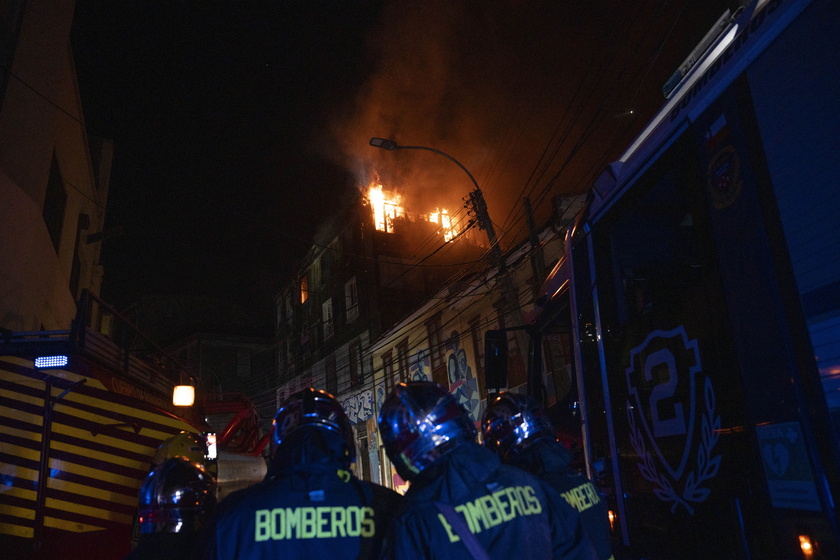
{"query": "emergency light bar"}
[(42, 362)]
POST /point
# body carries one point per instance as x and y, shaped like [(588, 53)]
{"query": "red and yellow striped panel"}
[(101, 448)]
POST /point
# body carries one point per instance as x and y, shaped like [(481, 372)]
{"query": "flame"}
[(386, 207), (441, 217), (806, 546)]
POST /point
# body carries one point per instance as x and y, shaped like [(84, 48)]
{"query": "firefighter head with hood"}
[(310, 504), (187, 445), (518, 430), (176, 498), (463, 503), (311, 428)]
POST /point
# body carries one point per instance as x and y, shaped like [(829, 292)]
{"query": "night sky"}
[(238, 125)]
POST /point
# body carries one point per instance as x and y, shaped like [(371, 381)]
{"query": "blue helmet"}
[(314, 409), (176, 497), (512, 422), (419, 422)]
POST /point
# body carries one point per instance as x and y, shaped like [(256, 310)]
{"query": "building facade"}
[(359, 318), (53, 177)]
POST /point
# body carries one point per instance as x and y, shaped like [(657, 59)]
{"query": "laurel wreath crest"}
[(707, 466)]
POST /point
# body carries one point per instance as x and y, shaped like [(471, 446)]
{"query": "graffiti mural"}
[(359, 407), (462, 383), (380, 396), (420, 368)]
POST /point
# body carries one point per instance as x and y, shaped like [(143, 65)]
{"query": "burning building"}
[(395, 288), (369, 266)]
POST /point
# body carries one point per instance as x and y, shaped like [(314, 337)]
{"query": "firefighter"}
[(310, 504), (463, 503), (175, 499), (188, 445), (517, 429)]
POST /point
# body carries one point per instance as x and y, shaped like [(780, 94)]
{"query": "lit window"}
[(304, 289)]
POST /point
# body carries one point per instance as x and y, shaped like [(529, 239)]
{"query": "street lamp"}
[(476, 195)]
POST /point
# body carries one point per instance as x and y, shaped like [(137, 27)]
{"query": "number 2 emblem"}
[(661, 413)]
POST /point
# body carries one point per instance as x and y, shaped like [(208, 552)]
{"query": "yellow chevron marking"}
[(90, 511), (22, 494), (16, 531), (101, 474), (98, 493)]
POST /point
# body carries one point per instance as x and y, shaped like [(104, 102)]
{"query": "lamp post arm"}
[(444, 154), (477, 197)]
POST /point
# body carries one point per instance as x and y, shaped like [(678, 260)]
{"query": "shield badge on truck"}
[(663, 407)]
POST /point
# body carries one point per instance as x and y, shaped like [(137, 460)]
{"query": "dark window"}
[(402, 359), (388, 370), (363, 452)]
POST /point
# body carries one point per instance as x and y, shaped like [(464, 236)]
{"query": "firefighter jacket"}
[(315, 510), (551, 461), (511, 513)]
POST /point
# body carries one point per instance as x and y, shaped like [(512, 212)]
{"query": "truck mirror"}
[(495, 360)]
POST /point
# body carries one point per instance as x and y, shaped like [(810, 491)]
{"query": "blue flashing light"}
[(51, 361)]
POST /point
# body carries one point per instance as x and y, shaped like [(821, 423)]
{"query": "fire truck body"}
[(701, 286), (81, 419)]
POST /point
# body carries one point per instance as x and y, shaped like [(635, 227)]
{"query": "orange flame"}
[(386, 207), (441, 217)]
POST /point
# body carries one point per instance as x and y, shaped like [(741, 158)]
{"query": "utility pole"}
[(478, 206)]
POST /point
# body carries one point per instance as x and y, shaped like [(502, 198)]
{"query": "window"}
[(363, 464), (327, 316), (402, 359), (351, 300), (304, 289), (388, 370)]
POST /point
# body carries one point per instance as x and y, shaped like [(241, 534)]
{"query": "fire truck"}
[(699, 298), (82, 414)]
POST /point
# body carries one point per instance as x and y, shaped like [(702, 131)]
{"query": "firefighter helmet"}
[(175, 497), (512, 422), (184, 444), (313, 408), (420, 421)]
